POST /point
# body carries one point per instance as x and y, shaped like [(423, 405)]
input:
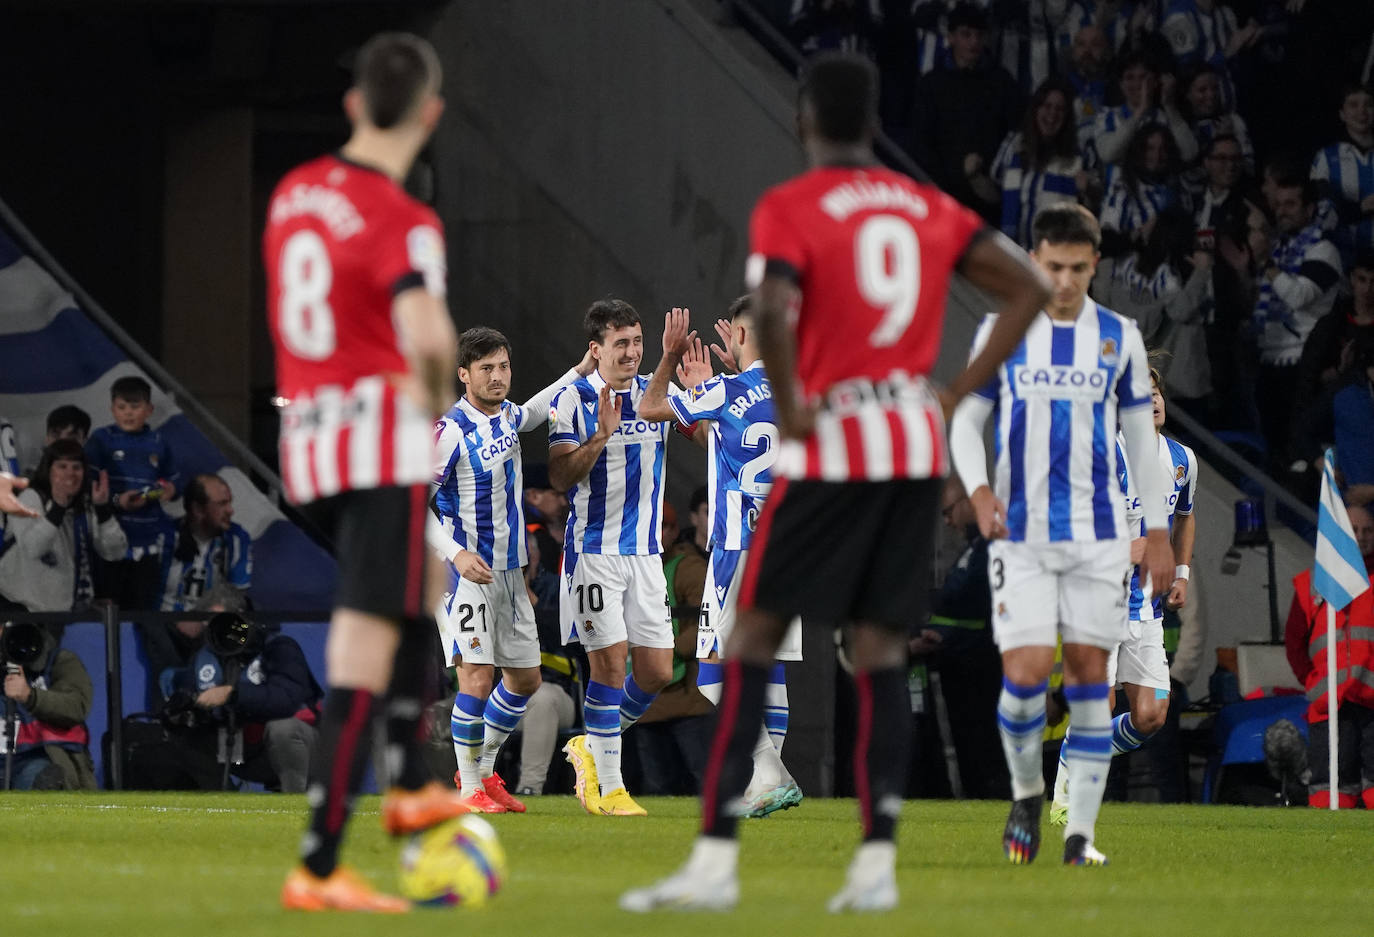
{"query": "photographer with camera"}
[(47, 696), (246, 704), (49, 559)]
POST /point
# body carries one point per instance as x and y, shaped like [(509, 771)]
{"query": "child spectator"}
[(142, 474)]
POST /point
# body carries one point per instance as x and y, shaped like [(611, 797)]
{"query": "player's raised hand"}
[(695, 367), (991, 513), (100, 488), (587, 365), (722, 351), (1159, 561), (472, 567), (607, 413), (677, 337), (9, 501)]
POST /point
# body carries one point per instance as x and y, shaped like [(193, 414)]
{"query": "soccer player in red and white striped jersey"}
[(850, 265), (365, 357)]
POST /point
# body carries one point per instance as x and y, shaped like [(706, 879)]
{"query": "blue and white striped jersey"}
[(1026, 189), (480, 496), (1348, 172), (743, 444), (616, 509), (1057, 398), (190, 568), (1180, 464)]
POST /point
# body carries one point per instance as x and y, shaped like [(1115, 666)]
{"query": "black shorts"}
[(379, 544), (840, 552)]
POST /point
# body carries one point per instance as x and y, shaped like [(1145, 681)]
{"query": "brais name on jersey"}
[(741, 404)]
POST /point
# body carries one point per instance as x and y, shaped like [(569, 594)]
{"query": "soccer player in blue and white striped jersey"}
[(1138, 663), (733, 413), (1059, 559), (610, 462), (486, 620)]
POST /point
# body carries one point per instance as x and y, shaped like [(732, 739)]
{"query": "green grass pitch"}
[(149, 865)]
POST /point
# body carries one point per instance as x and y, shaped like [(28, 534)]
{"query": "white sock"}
[(606, 753), (1061, 775), (1021, 723), (769, 771), (714, 857), (1088, 750)]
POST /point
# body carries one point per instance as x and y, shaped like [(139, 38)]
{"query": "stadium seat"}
[(1238, 735)]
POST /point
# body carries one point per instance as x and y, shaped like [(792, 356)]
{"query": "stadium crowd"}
[(1228, 149)]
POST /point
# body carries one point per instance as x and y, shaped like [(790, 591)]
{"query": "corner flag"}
[(1339, 575)]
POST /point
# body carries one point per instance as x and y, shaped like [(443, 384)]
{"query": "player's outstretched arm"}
[(431, 347), (568, 463), (677, 339), (994, 264), (9, 500), (536, 410)]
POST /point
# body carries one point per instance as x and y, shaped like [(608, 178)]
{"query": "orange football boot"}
[(342, 890)]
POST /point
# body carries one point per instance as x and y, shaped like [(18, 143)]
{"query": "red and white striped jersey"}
[(342, 241), (872, 252)]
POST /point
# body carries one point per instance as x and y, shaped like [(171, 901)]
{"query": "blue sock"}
[(1125, 736), (775, 708), (466, 727), (601, 712), (502, 714), (633, 703), (709, 680)]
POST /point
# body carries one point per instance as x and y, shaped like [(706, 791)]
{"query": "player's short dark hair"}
[(699, 497), (843, 91), (479, 342), (1066, 224), (1364, 259), (608, 315), (393, 71), (131, 388), (69, 416), (967, 14), (742, 306)]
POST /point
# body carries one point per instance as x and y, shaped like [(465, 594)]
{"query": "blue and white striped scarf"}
[(1288, 254)]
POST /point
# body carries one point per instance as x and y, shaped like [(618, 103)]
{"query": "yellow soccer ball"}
[(459, 862)]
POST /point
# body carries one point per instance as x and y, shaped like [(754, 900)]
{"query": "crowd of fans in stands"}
[(1238, 211)]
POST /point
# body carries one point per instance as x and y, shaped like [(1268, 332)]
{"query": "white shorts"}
[(1041, 590), (491, 623), (718, 603), (608, 599), (1140, 658)]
